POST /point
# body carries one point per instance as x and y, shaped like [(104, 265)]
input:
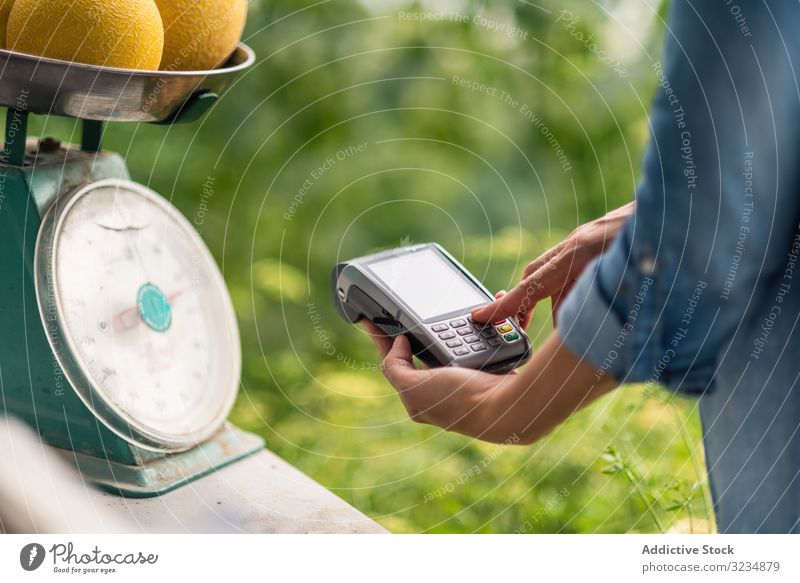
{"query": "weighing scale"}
[(118, 340)]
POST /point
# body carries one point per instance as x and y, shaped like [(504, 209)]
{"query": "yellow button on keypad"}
[(505, 328)]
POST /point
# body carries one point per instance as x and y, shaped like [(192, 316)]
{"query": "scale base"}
[(170, 471)]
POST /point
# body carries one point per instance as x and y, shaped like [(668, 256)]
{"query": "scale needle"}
[(129, 318)]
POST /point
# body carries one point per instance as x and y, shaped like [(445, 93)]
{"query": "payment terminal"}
[(421, 291)]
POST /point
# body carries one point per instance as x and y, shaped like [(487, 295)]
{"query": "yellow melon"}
[(110, 33), (200, 34), (5, 8)]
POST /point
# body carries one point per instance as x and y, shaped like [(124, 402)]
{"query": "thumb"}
[(398, 366)]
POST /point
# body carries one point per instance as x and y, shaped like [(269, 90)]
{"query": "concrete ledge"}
[(40, 492), (259, 494)]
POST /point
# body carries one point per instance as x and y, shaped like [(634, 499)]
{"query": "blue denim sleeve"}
[(717, 206)]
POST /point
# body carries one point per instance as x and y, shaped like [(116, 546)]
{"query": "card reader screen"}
[(428, 283)]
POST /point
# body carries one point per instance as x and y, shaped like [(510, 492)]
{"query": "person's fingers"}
[(524, 319), (558, 272), (502, 308), (558, 298), (492, 312), (540, 282), (549, 279), (500, 294), (398, 365), (515, 303), (543, 260), (382, 341)]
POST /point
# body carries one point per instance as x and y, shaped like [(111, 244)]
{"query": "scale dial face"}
[(138, 315)]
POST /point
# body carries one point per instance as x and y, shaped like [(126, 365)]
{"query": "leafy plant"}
[(416, 156)]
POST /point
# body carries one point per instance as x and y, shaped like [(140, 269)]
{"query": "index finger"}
[(518, 301)]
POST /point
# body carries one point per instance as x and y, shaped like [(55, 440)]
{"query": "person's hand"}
[(553, 274), (516, 408), (453, 398)]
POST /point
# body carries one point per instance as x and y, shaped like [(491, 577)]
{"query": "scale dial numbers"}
[(145, 329)]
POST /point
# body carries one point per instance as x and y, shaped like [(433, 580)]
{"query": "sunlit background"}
[(493, 128)]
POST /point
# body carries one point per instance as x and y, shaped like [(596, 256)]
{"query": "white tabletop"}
[(259, 494), (41, 493)]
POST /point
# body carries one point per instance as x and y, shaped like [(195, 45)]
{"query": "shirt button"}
[(647, 265)]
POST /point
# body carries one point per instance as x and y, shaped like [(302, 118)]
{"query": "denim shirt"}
[(700, 291)]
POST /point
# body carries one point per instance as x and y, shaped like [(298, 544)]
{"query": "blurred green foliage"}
[(438, 162)]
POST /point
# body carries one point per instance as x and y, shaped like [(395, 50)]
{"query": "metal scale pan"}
[(52, 87)]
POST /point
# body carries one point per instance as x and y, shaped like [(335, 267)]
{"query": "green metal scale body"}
[(118, 343)]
